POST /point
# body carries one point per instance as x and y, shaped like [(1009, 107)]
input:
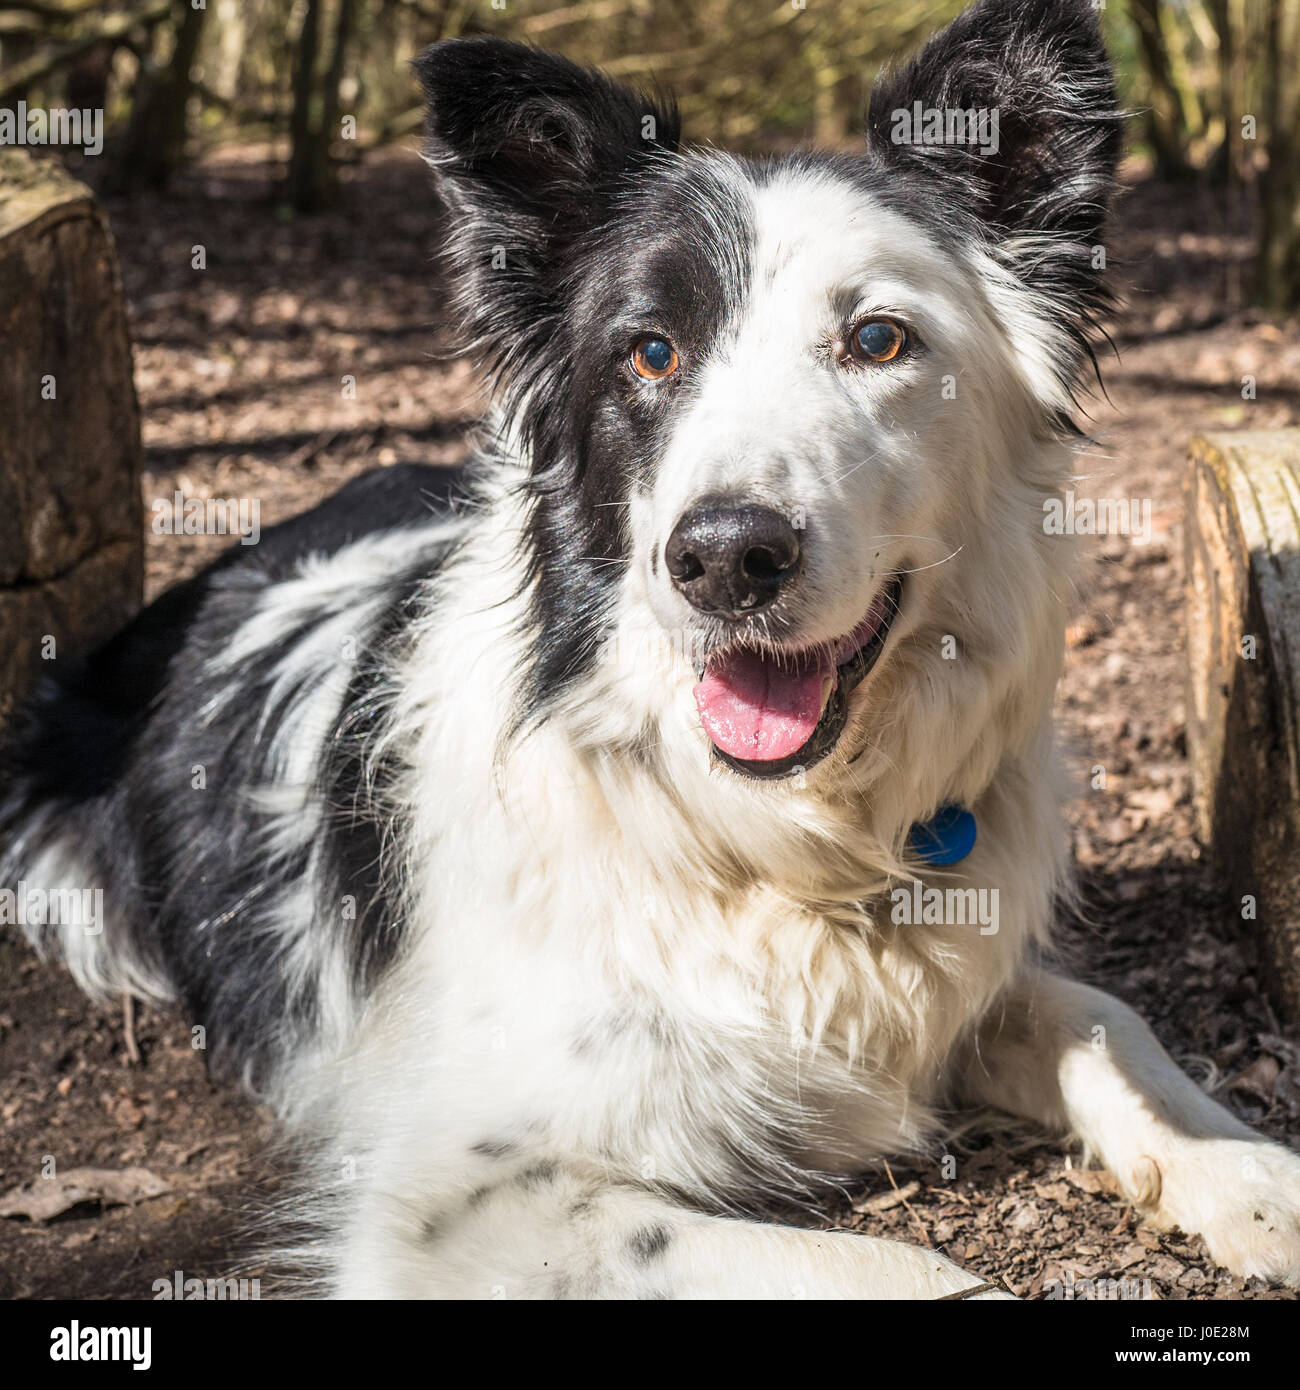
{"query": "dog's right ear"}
[(528, 152), (1038, 72)]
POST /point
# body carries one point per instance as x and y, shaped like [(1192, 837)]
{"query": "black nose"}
[(730, 559)]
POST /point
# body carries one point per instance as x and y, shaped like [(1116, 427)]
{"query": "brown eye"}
[(654, 358), (876, 340)]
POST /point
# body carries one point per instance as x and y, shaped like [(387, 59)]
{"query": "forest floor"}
[(240, 369)]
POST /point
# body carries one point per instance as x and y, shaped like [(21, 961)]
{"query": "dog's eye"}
[(654, 358), (876, 340)]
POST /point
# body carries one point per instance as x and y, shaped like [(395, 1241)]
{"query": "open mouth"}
[(771, 714)]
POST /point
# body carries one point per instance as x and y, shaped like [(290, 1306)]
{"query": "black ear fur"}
[(528, 152), (1045, 194)]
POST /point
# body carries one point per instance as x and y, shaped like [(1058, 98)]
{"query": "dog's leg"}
[(1078, 1060), (550, 1231)]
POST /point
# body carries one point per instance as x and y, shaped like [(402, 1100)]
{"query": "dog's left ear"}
[(528, 152), (1041, 179)]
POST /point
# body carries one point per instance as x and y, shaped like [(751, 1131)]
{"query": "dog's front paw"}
[(1242, 1197)]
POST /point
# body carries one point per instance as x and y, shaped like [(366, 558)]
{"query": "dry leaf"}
[(1133, 1254), (47, 1198)]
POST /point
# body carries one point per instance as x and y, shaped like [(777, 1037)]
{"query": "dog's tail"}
[(65, 877)]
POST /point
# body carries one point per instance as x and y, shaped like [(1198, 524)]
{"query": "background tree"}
[(1277, 275), (155, 142)]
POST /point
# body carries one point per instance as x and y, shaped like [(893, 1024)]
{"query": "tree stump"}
[(71, 542), (1243, 698)]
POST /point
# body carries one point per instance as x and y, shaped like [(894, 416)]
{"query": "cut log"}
[(71, 541), (1243, 698)]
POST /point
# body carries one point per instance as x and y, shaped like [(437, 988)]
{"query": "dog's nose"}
[(730, 559)]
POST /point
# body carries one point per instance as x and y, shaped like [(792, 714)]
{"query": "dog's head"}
[(796, 420)]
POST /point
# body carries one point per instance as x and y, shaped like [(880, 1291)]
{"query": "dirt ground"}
[(240, 370)]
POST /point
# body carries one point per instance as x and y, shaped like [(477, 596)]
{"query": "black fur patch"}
[(112, 749), (494, 1148), (538, 1175), (649, 1244), (572, 180)]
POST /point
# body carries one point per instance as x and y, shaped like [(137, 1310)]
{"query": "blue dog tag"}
[(946, 839)]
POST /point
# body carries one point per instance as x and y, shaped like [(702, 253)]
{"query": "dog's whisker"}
[(917, 569)]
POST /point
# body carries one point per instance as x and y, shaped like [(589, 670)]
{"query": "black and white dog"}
[(548, 858)]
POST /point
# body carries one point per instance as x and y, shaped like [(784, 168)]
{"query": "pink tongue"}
[(758, 710)]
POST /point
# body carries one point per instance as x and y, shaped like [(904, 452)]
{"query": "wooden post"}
[(71, 541), (1243, 697)]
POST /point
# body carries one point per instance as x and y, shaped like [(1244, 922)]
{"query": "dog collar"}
[(946, 838)]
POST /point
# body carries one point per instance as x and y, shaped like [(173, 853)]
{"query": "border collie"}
[(559, 859)]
